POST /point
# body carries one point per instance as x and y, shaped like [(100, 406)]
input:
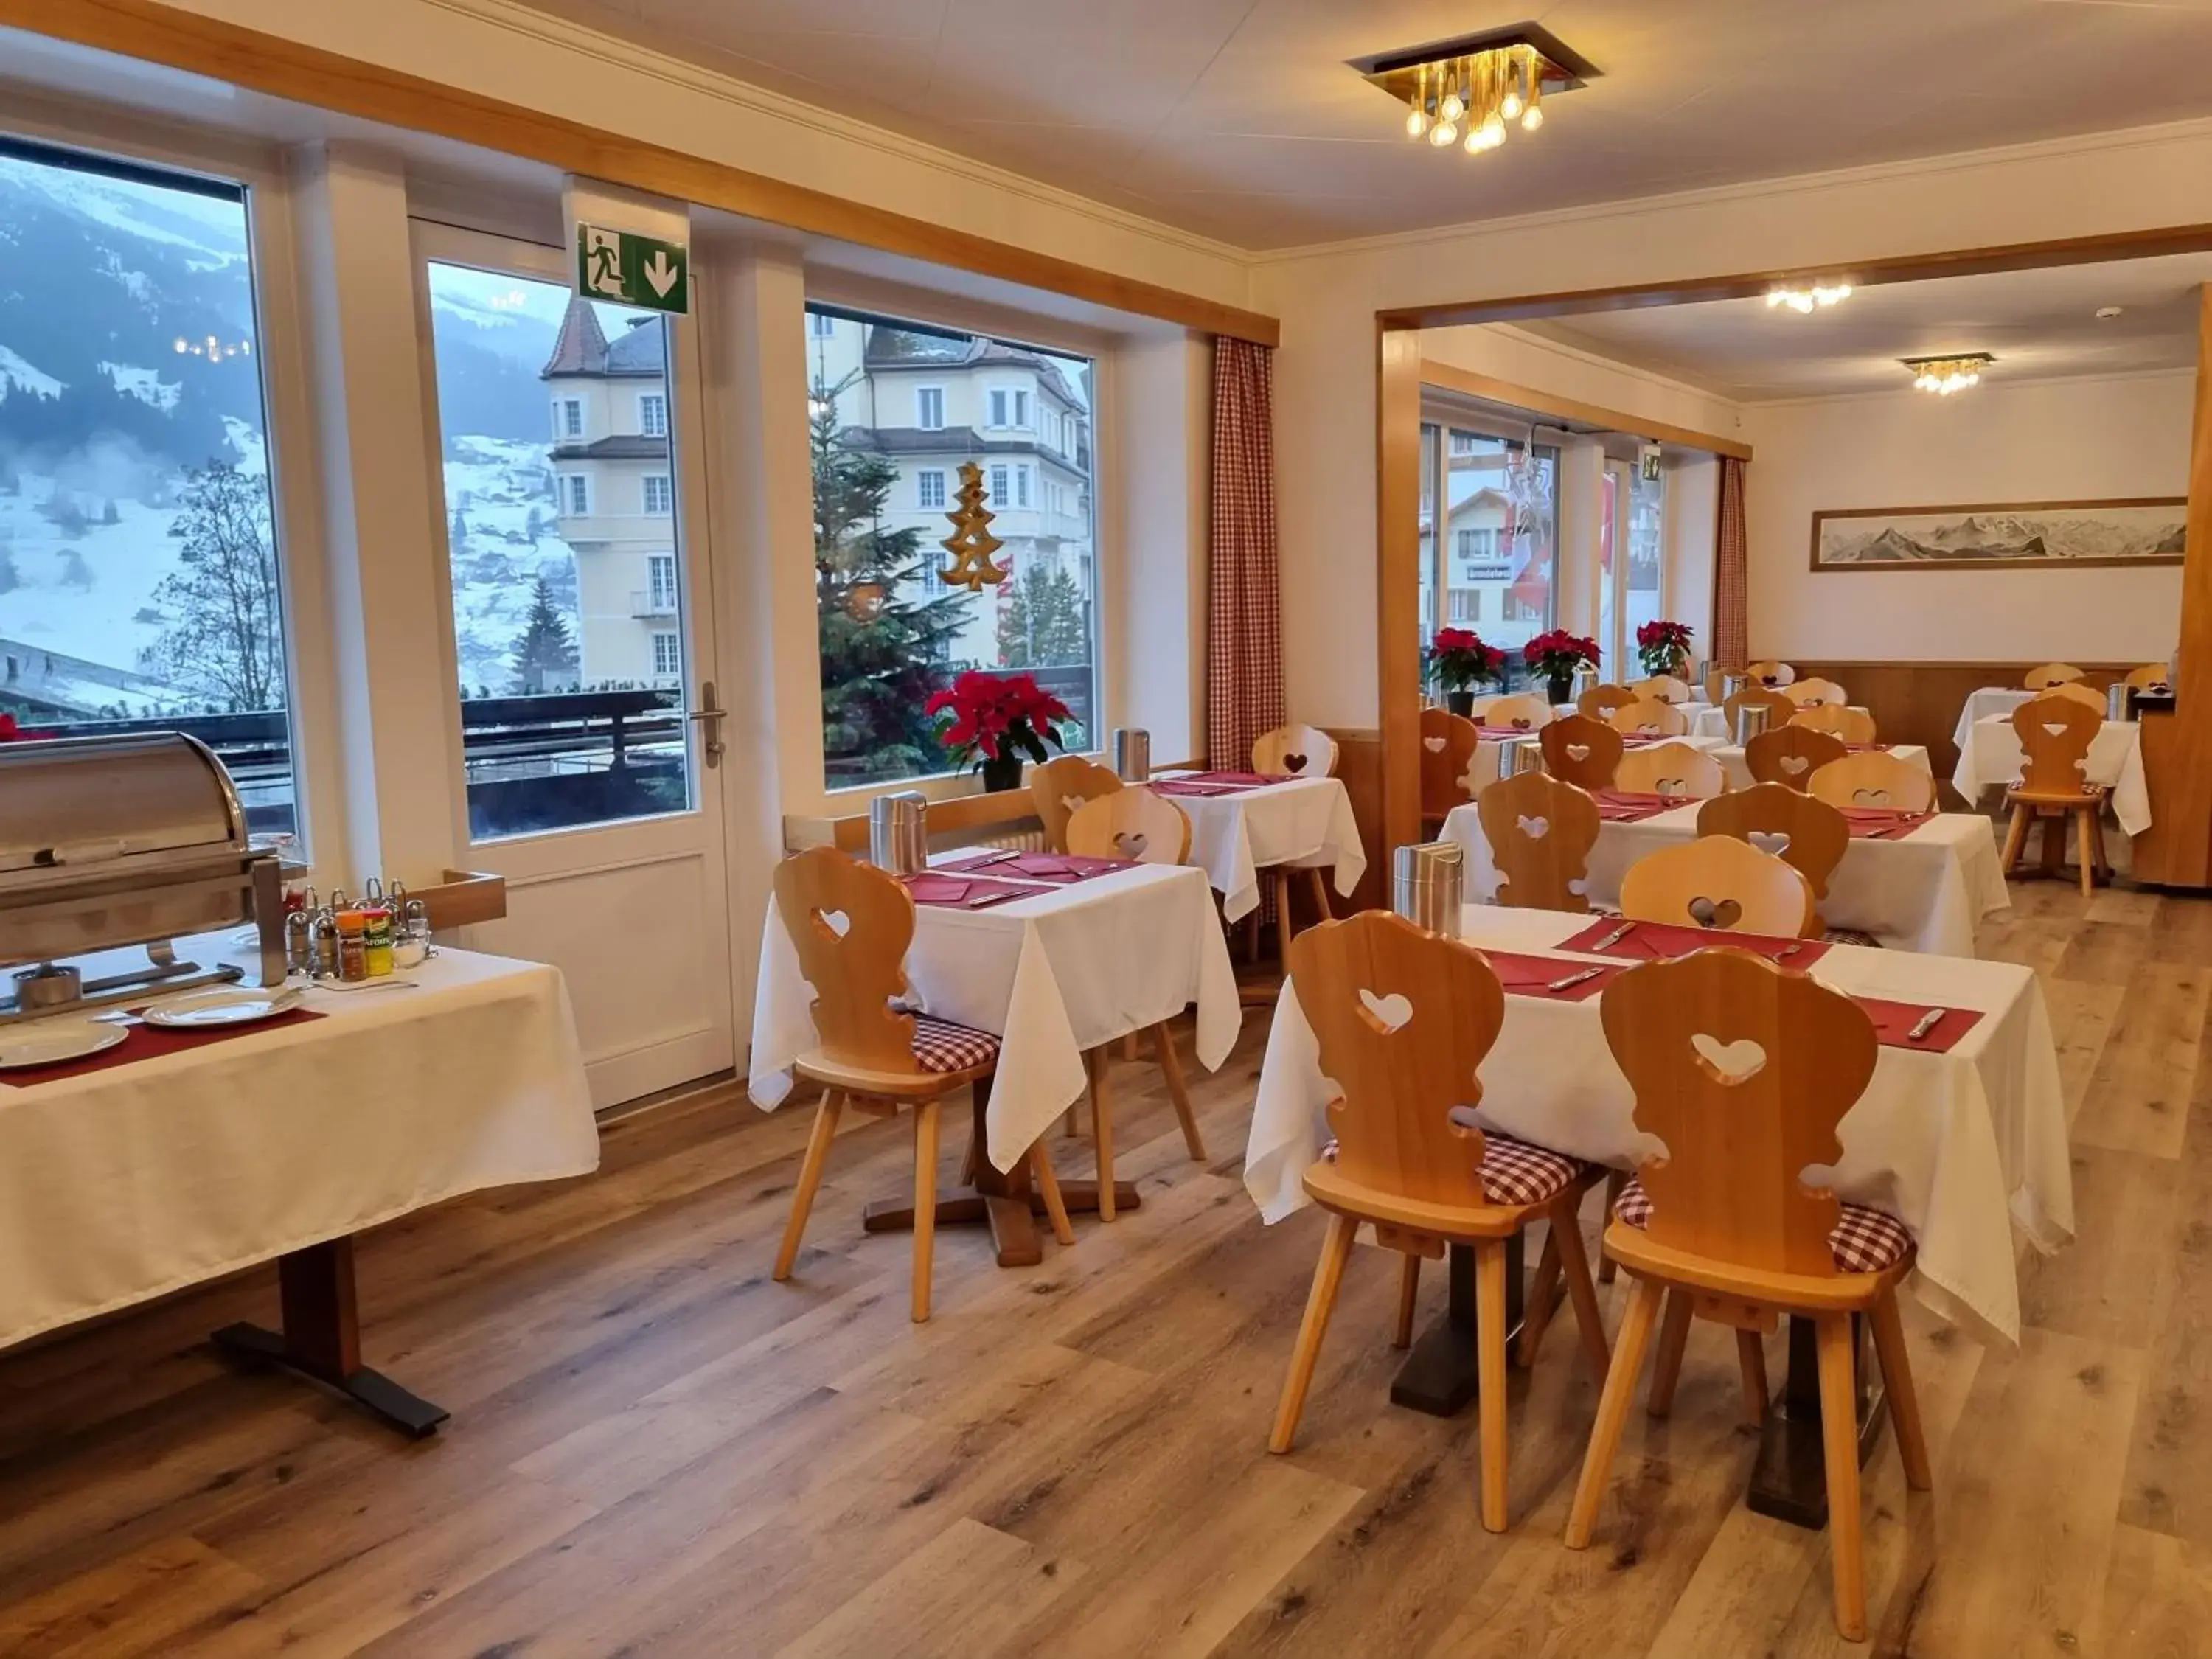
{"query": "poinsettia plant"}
[(1662, 647), (1458, 659), (1557, 654), (992, 720), (11, 732)]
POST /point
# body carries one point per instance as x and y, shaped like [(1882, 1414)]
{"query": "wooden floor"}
[(655, 1450)]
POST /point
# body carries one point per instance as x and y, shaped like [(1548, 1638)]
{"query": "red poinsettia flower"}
[(991, 715), (1458, 659)]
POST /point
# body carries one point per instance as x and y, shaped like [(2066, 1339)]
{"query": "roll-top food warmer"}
[(110, 842)]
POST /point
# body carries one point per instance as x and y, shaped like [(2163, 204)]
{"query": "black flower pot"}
[(1004, 773), (1460, 702)]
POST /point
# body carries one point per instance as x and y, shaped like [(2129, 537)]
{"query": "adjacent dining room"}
[(1222, 830)]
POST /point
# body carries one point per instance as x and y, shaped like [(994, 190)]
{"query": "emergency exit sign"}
[(628, 269)]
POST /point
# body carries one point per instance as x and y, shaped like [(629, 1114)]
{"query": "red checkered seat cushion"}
[(1514, 1171), (1864, 1241), (941, 1046)]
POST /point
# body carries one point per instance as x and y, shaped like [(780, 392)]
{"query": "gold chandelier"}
[(1945, 375), (1473, 92)]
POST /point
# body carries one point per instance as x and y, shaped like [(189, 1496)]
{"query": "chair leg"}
[(925, 1205), (1171, 1068), (1543, 1296), (1321, 1301), (2086, 833), (1129, 1046), (1612, 1404), (810, 1178), (1320, 884), (1283, 930), (2015, 838), (2054, 842), (1667, 1370), (1102, 1127), (1574, 1261), (1751, 1359), (1614, 1183), (1409, 1289), (1047, 1181), (1839, 1437), (1490, 1375), (1897, 1388)]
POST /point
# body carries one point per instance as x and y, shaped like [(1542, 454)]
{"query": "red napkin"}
[(1894, 1023), (144, 1043), (1882, 823), (1655, 941), (1621, 806), (1057, 867), (966, 892), (1534, 976), (1247, 780)]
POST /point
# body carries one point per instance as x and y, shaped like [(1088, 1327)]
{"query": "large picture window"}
[(891, 632), (1493, 558), (140, 586)]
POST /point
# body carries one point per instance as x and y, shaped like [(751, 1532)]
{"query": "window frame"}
[(921, 395), (648, 427), (924, 477), (668, 492)]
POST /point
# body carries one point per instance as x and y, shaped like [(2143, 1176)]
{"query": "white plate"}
[(197, 1011), (50, 1041)]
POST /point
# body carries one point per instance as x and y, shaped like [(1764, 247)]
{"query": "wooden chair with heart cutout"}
[(1769, 673), (1138, 824), (1719, 883), (1448, 746), (1580, 751), (1647, 717), (1776, 704), (1295, 751), (850, 925), (1817, 833), (1790, 755), (1806, 693), (1599, 700), (2055, 733), (1661, 688), (1540, 830), (1521, 711), (1851, 725), (1743, 1070), (1875, 777), (2046, 675), (1061, 785), (1404, 1020), (2150, 675), (1670, 768), (2075, 691)]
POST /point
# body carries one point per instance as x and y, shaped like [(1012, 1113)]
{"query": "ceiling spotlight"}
[(1945, 375), (1442, 134), (1478, 85), (1806, 300), (2105, 313)]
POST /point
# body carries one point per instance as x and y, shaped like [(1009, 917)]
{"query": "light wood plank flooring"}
[(657, 1452)]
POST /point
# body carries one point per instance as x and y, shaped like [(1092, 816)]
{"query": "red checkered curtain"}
[(1244, 608), (1731, 572)]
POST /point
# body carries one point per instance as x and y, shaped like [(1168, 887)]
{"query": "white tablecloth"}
[(1303, 821), (1961, 1145), (1990, 700), (1053, 976), (1712, 721), (1990, 757), (1924, 893), (131, 1182), (1730, 756)]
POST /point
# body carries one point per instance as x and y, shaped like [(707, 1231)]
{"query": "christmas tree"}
[(544, 654), (884, 651), (1043, 624)]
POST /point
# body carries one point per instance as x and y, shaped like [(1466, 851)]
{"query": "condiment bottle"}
[(376, 938), (325, 960), (353, 946)]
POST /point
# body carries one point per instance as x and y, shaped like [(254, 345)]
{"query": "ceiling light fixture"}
[(1479, 86), (2105, 313), (1945, 375), (1806, 300)]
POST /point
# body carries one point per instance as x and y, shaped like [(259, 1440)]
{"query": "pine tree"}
[(1043, 624), (109, 515), (884, 651), (458, 537), (224, 641), (544, 654)]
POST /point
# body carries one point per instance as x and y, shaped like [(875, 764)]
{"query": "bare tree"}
[(224, 641)]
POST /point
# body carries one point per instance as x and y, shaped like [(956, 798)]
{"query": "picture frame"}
[(2126, 530)]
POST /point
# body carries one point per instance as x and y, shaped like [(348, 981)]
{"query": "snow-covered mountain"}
[(2118, 533)]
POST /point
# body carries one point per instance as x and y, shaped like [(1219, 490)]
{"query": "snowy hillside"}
[(502, 493)]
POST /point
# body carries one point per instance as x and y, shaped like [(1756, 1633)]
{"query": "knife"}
[(1573, 980), (1788, 950), (1927, 1023), (1614, 937)]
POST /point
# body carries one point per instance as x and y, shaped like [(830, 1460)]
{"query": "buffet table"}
[(162, 1163)]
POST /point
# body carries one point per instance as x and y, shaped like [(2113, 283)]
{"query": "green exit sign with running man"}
[(628, 269)]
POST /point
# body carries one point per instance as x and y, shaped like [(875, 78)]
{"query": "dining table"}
[(1960, 1132), (1989, 756), (1711, 720), (1243, 822), (1731, 756)]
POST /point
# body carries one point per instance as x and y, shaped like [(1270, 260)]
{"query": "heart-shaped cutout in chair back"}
[(1075, 803), (1728, 1063), (1131, 843), (1770, 841), (1792, 764), (1294, 763), (1670, 786), (2058, 731), (1871, 798), (1534, 828), (837, 921), (1578, 751), (1714, 912), (1435, 745), (1521, 723), (1386, 1014)]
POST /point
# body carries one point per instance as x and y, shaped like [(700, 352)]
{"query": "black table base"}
[(1439, 1375), (1789, 1480)]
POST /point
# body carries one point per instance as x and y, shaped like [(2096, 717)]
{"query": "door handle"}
[(710, 713)]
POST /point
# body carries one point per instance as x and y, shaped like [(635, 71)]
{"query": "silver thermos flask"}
[(898, 832), (2116, 701), (1427, 885), (1133, 754), (1751, 719)]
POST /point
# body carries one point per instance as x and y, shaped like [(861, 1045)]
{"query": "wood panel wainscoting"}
[(1359, 764)]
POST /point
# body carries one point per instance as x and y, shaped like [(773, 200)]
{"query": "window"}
[(1500, 507), (821, 324), (568, 417), (571, 712), (1467, 604), (141, 577), (891, 631)]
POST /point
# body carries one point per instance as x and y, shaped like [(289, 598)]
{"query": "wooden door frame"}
[(1400, 376)]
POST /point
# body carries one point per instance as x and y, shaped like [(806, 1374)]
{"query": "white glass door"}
[(582, 649)]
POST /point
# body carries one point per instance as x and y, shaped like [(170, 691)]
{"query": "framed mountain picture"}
[(2000, 536)]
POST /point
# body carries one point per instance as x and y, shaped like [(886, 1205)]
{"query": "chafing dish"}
[(111, 842)]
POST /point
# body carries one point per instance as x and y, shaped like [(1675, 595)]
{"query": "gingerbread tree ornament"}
[(971, 542)]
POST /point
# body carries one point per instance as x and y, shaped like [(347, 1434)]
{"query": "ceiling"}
[(1238, 118), (2039, 324)]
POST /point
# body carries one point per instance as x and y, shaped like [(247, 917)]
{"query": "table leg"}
[(1440, 1375), (1789, 1480), (320, 1338)]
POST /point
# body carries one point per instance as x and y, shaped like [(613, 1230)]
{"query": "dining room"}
[(793, 863)]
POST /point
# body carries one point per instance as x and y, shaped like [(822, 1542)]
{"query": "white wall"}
[(2078, 440)]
